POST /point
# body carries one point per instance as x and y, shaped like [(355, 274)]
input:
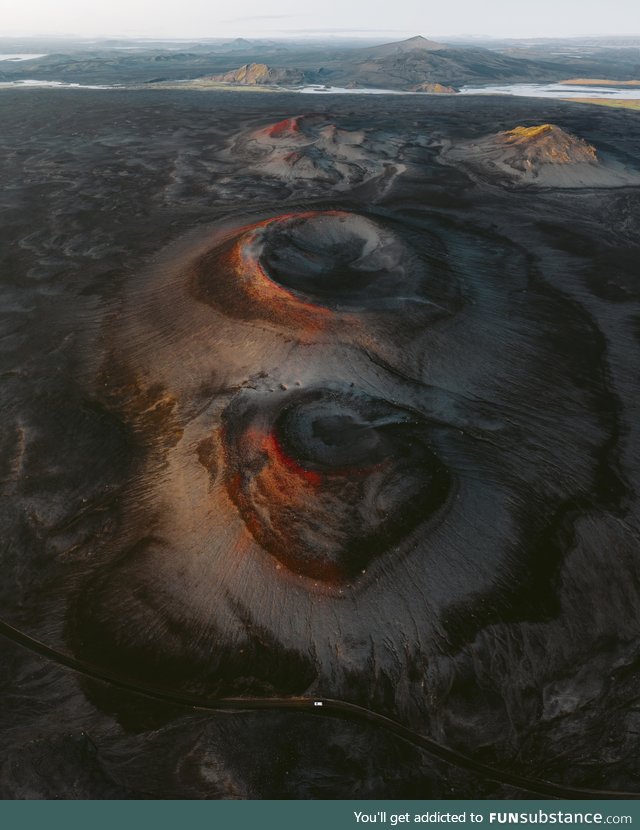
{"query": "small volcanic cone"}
[(312, 149), (542, 154), (531, 147)]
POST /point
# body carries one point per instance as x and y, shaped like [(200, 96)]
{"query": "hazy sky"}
[(253, 18)]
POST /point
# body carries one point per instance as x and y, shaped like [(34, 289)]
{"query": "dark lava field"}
[(318, 400)]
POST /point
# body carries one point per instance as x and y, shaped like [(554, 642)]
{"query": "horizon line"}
[(310, 33)]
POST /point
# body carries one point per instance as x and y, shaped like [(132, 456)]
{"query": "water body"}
[(21, 56), (526, 90), (554, 91), (522, 90), (30, 84), (333, 90)]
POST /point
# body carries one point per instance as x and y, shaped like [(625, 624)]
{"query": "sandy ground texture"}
[(318, 405)]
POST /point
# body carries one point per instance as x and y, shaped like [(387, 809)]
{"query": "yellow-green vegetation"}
[(530, 132), (624, 103), (599, 82)]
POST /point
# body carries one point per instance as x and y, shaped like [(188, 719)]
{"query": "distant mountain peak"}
[(237, 44), (419, 41), (408, 45)]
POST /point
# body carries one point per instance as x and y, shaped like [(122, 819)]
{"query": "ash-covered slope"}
[(532, 147), (313, 151), (542, 155)]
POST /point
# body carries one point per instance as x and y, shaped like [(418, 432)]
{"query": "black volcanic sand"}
[(378, 444)]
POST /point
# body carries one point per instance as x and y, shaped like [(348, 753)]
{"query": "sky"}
[(300, 18)]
